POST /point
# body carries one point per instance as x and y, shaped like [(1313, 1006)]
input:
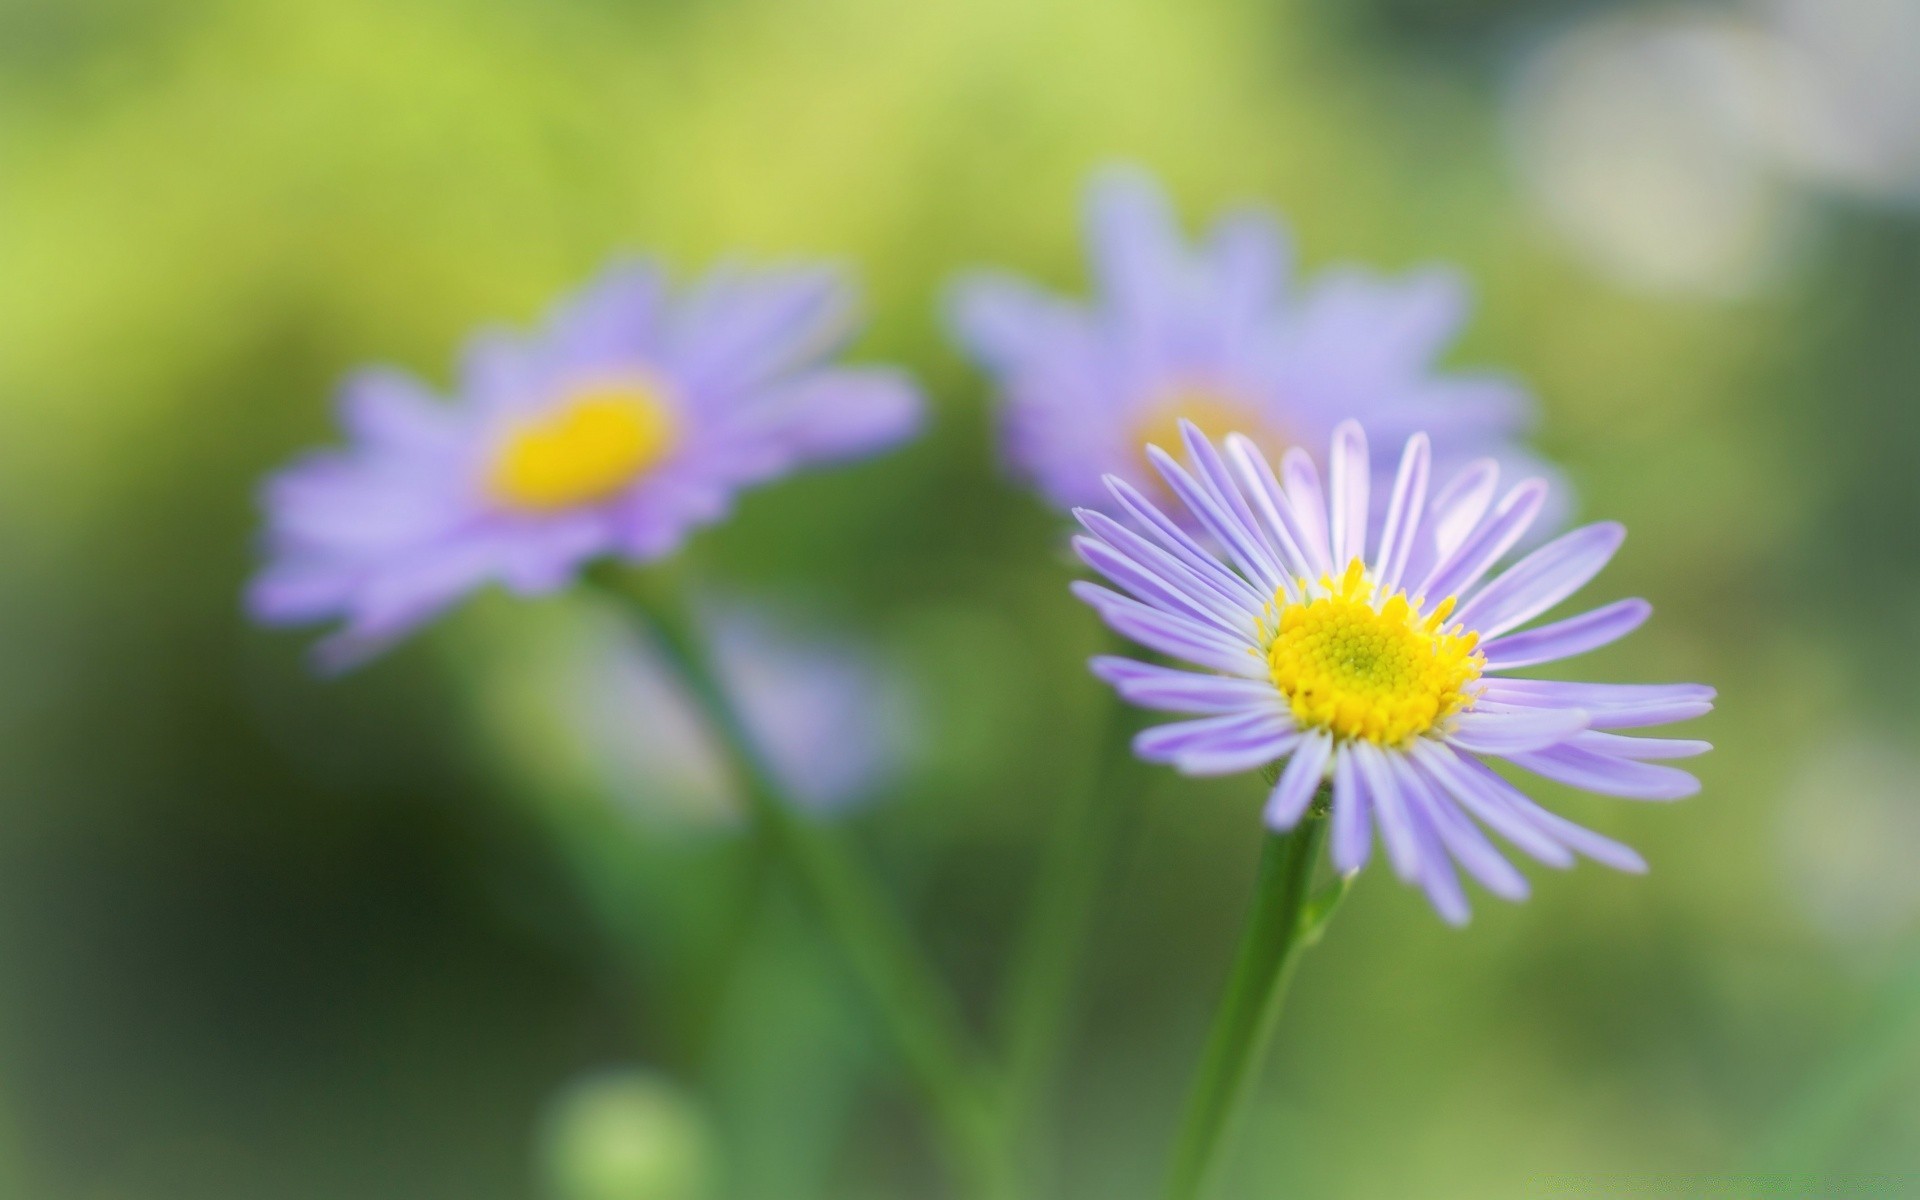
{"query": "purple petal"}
[(1437, 877), (1458, 506), (1489, 798), (1640, 747), (614, 321), (1220, 485), (1608, 705), (1608, 775), (1219, 592), (1405, 507), (391, 410), (1217, 520), (1170, 690), (1134, 241), (1507, 731), (1247, 253), (1151, 589), (1459, 571), (1585, 842), (1219, 745), (1299, 782), (1000, 318), (1352, 835), (1271, 506), (1310, 506), (741, 328), (1349, 472), (1171, 635), (1542, 579), (1396, 827), (833, 415), (1461, 838), (1177, 543), (1565, 639)]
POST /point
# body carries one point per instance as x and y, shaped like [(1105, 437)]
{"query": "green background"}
[(264, 937)]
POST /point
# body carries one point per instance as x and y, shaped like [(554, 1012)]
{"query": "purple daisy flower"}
[(629, 421), (1213, 335), (1379, 661)]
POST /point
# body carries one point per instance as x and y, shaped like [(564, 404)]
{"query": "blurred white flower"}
[(1848, 826), (1624, 133), (1856, 123), (1680, 150)]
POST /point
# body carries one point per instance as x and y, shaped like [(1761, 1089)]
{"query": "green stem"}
[(1277, 930), (915, 1008), (1051, 955)]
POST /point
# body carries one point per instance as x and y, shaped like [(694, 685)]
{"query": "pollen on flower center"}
[(1376, 670), (1215, 413), (598, 442)]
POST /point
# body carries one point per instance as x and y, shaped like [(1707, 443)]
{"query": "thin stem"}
[(1050, 958), (1277, 930), (915, 1008)]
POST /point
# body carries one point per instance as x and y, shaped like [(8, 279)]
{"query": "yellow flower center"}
[(1365, 669), (1215, 413), (603, 437)]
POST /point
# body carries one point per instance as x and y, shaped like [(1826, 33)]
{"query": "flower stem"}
[(1280, 926), (917, 1011), (1051, 954)]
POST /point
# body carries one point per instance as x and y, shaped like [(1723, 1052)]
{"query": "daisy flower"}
[(1381, 662), (631, 419), (1214, 335)]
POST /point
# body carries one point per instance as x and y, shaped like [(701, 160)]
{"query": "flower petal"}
[(1565, 639), (1349, 474), (1397, 830), (1542, 579), (1351, 838), (1176, 636), (1489, 798), (1505, 731), (1299, 782), (1640, 747), (1457, 572), (1608, 775), (1221, 745), (1170, 690), (1461, 838), (1405, 508)]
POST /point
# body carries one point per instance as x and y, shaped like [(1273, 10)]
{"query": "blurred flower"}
[(1214, 335), (834, 721), (1339, 664), (627, 1135), (1848, 115), (1847, 829), (1679, 150), (629, 421), (1623, 131)]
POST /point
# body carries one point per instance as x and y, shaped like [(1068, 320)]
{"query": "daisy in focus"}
[(631, 419), (1379, 662), (1214, 335)]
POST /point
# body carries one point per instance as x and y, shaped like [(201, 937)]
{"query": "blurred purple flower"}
[(835, 722), (1213, 335), (1387, 673), (629, 421)]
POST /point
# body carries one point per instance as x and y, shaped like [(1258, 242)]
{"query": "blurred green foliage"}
[(266, 938)]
